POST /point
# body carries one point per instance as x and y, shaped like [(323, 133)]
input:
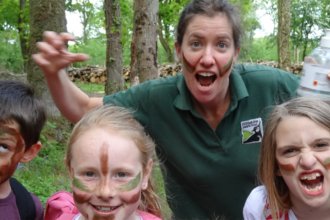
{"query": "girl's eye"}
[(3, 148), (89, 174), (121, 175), (196, 44), (321, 145), (222, 45), (288, 151)]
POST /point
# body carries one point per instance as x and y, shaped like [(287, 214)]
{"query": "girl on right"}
[(294, 164)]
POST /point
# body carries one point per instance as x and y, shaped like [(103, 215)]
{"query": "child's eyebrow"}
[(4, 129), (319, 140)]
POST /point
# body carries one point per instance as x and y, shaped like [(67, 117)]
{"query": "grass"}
[(90, 87)]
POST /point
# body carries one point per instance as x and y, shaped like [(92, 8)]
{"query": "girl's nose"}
[(208, 57), (308, 160), (106, 190)]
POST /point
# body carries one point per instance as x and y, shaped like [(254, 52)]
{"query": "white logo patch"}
[(252, 131)]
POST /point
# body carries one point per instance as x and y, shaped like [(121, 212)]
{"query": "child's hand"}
[(53, 54)]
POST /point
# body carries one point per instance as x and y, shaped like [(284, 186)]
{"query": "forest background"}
[(298, 27)]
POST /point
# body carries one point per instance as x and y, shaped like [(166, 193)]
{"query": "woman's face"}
[(107, 175), (207, 54), (303, 158)]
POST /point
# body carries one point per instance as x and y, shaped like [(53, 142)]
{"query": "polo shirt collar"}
[(237, 88)]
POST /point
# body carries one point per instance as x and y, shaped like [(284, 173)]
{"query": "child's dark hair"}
[(18, 103)]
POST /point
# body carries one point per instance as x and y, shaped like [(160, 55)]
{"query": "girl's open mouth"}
[(205, 80), (312, 183), (105, 209)]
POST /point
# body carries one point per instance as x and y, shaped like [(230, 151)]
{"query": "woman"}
[(206, 123)]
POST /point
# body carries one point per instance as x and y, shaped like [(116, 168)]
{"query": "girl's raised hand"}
[(53, 54)]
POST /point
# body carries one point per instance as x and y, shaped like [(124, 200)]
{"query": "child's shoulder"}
[(61, 206), (255, 203), (147, 216)]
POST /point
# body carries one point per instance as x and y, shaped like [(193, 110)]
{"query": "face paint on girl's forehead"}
[(187, 65), (130, 185), (223, 70), (287, 168)]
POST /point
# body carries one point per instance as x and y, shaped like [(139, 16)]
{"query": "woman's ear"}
[(178, 50), (31, 153), (146, 174)]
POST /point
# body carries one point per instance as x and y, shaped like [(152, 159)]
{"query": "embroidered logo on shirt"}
[(252, 131)]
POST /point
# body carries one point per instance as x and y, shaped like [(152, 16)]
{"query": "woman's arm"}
[(52, 58)]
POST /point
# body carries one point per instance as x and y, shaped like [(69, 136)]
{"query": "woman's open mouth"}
[(205, 80), (312, 183)]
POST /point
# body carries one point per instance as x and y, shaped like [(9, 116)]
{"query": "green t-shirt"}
[(209, 173)]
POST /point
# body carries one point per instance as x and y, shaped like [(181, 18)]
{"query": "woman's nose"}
[(208, 57)]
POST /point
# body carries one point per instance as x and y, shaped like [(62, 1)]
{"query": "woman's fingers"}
[(47, 49)]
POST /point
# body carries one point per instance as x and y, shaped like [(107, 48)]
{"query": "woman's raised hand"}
[(53, 54)]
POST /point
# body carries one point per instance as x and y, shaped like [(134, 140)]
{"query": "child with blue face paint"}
[(294, 163), (109, 162)]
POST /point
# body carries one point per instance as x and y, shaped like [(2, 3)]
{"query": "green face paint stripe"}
[(131, 184), (327, 160), (187, 64), (78, 184), (227, 66)]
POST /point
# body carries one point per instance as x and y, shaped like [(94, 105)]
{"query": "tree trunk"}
[(133, 78), (22, 34), (114, 58), (145, 28), (169, 54), (46, 16), (283, 43)]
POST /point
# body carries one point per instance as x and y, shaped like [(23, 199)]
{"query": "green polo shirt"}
[(209, 173)]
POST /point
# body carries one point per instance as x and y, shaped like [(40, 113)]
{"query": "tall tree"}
[(46, 16), (114, 58), (283, 35), (145, 31)]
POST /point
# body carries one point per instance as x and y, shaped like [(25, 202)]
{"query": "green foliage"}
[(10, 55), (46, 173)]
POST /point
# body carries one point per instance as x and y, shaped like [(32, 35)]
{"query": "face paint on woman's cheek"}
[(225, 69), (286, 168), (189, 67), (130, 185)]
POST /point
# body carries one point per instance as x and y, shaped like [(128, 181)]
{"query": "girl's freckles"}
[(80, 198), (286, 167)]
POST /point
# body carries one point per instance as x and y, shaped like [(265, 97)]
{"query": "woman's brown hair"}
[(121, 120), (277, 190)]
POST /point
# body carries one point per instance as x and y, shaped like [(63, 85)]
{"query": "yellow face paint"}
[(131, 184), (78, 184), (326, 163)]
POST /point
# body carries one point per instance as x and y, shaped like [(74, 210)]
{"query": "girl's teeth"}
[(312, 176), (105, 209), (317, 188)]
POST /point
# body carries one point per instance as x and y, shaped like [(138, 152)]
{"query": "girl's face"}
[(303, 158), (107, 175), (207, 54)]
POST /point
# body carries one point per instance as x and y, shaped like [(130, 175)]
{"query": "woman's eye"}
[(196, 44), (4, 148), (89, 174), (121, 175), (222, 45)]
